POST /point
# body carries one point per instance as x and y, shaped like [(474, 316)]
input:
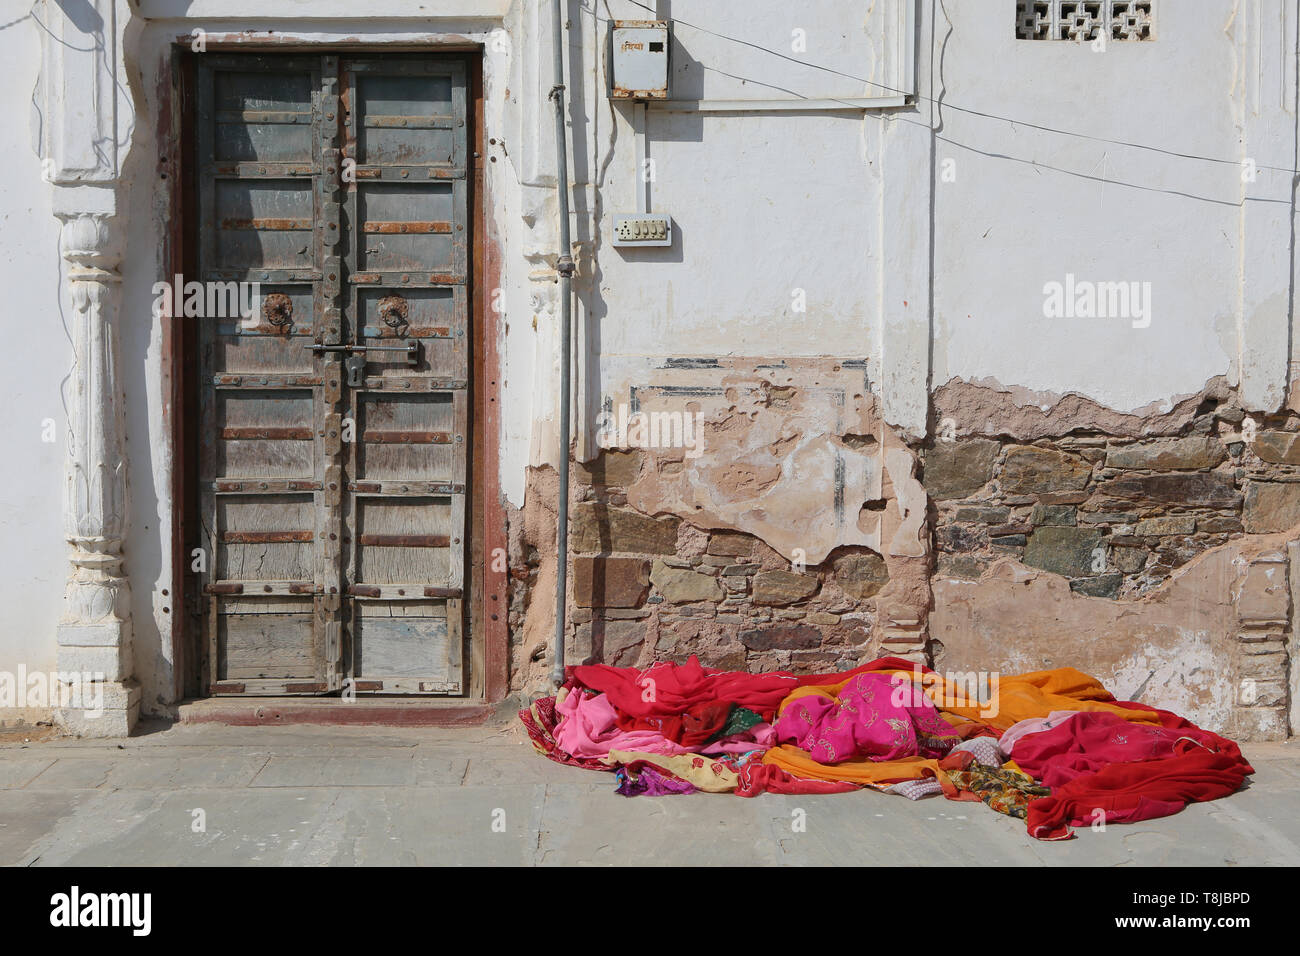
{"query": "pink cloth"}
[(872, 717), (588, 728), (1033, 725)]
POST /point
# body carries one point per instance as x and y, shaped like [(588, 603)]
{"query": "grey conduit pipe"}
[(563, 266)]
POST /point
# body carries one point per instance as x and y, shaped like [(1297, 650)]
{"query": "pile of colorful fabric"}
[(1053, 748)]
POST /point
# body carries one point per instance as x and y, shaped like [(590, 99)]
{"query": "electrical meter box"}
[(639, 60)]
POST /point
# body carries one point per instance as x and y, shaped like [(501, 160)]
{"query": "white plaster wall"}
[(33, 556), (764, 204), (1029, 205)]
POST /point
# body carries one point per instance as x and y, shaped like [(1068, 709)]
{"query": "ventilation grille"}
[(1085, 20)]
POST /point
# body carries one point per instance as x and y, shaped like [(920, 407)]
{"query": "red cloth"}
[(1188, 729), (1127, 792), (1089, 742), (1190, 765), (756, 778), (694, 727), (667, 690)]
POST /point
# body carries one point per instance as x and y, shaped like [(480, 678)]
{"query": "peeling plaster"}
[(806, 467), (986, 407)]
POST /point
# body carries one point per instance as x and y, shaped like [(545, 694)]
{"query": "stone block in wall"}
[(733, 544), (715, 647), (1197, 451), (966, 567), (861, 576), (578, 649), (600, 528), (958, 469), (1264, 596), (1067, 551), (1261, 693), (1127, 560), (619, 641), (1059, 516), (1260, 723), (958, 538), (818, 662), (822, 619), (1219, 524), (610, 469), (1271, 506), (782, 587), (1167, 524), (1029, 469), (983, 514), (610, 582), (684, 586), (1281, 448), (1204, 489), (1103, 585), (1108, 517), (784, 637)]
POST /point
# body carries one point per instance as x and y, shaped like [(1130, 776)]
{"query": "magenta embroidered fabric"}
[(872, 717)]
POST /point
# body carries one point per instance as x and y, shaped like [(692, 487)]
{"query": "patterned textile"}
[(1006, 791), (872, 716), (738, 721), (916, 789), (712, 774), (650, 783), (539, 721), (984, 749)]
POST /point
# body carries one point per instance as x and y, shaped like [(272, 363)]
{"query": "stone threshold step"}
[(285, 711)]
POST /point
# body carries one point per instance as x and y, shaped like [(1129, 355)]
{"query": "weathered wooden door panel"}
[(405, 519), (334, 498)]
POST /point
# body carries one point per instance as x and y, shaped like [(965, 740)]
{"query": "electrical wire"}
[(947, 104)]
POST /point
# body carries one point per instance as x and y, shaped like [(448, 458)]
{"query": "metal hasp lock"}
[(355, 367)]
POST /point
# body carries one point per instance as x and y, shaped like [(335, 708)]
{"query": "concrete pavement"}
[(217, 795)]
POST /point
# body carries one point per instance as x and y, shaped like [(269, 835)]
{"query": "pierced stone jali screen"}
[(1085, 20)]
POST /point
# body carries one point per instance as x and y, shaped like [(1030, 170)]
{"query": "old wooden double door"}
[(334, 442)]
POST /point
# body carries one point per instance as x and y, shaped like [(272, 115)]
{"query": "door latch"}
[(355, 367), (355, 363)]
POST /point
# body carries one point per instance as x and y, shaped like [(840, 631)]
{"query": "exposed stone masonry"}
[(647, 587), (1116, 516)]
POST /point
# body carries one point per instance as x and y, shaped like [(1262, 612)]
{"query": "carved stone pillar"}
[(81, 145), (95, 630)]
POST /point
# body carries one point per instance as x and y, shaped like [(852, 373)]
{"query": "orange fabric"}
[(1018, 697), (871, 773), (1021, 696)]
